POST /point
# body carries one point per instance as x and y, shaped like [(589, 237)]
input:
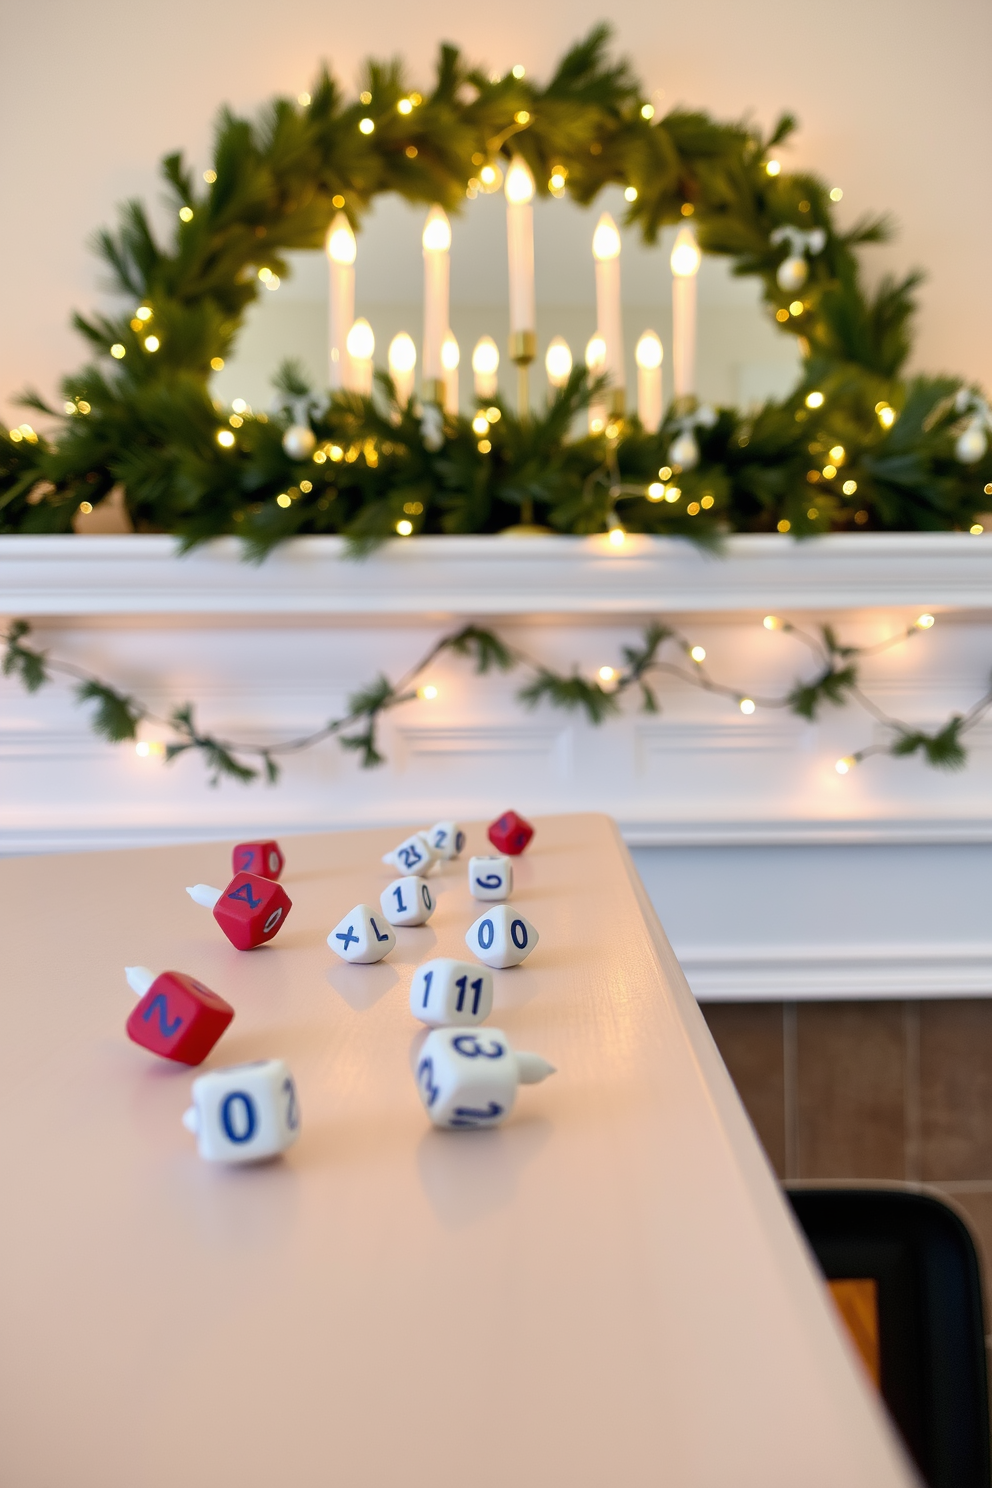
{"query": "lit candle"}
[(437, 244), (609, 320), (402, 364), (361, 345), (450, 357), (558, 362), (485, 367), (595, 357), (648, 355), (341, 253), (519, 189), (686, 259)]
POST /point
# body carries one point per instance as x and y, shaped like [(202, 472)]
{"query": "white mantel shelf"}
[(141, 575), (777, 877)]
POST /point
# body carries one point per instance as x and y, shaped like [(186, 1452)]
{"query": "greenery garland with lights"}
[(117, 716), (856, 446)]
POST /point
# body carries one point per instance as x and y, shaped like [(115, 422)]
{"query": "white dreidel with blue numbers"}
[(407, 901), (502, 937), (445, 991), (245, 1113), (414, 855), (490, 877), (364, 935), (445, 838), (468, 1078)]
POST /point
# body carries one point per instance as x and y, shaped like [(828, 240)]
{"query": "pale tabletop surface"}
[(605, 1293)]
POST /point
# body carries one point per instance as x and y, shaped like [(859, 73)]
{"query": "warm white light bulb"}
[(558, 361), (450, 355), (606, 239), (341, 245), (437, 231), (361, 341), (519, 186), (924, 622), (686, 256), (402, 353), (649, 352), (485, 357), (595, 353)]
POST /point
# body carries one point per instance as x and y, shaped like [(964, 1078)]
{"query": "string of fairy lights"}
[(597, 693)]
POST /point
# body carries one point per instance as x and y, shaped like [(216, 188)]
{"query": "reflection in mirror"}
[(741, 358)]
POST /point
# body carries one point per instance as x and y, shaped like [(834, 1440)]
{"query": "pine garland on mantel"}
[(118, 716), (857, 446)]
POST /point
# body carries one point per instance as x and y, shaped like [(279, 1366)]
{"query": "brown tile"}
[(749, 1037), (956, 1089), (851, 1090)]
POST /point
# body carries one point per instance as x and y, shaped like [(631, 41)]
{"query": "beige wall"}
[(893, 95)]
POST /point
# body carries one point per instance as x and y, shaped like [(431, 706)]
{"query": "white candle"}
[(609, 319), (402, 366), (519, 189), (595, 357), (437, 244), (648, 355), (341, 253), (485, 367), (686, 259), (361, 345), (558, 362), (450, 357)]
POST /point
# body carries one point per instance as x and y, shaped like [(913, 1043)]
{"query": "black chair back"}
[(930, 1319)]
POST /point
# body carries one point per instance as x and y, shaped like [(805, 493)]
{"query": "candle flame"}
[(485, 357), (649, 351), (519, 185), (341, 245), (606, 239), (361, 341), (595, 354), (450, 355), (402, 353), (437, 231), (686, 256), (558, 362)]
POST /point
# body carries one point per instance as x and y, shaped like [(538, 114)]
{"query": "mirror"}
[(742, 358)]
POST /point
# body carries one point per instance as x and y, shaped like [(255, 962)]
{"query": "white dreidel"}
[(445, 838), (468, 1078), (446, 991), (502, 937), (407, 901), (490, 877), (244, 1113), (363, 936), (414, 855)]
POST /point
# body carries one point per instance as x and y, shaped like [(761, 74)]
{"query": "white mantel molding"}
[(776, 878), (141, 576)]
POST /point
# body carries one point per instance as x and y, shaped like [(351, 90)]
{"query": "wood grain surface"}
[(606, 1291)]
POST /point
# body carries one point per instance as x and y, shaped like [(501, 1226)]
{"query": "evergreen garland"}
[(117, 716), (140, 416)]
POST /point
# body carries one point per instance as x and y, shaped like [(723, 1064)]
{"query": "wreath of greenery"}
[(140, 416)]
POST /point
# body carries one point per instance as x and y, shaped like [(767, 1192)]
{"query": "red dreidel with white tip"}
[(177, 1016), (262, 858), (510, 833), (249, 911)]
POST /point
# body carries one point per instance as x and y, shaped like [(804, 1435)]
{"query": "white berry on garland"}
[(299, 441)]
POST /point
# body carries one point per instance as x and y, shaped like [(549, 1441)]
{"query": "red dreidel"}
[(510, 833), (265, 859), (177, 1016), (249, 911)]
